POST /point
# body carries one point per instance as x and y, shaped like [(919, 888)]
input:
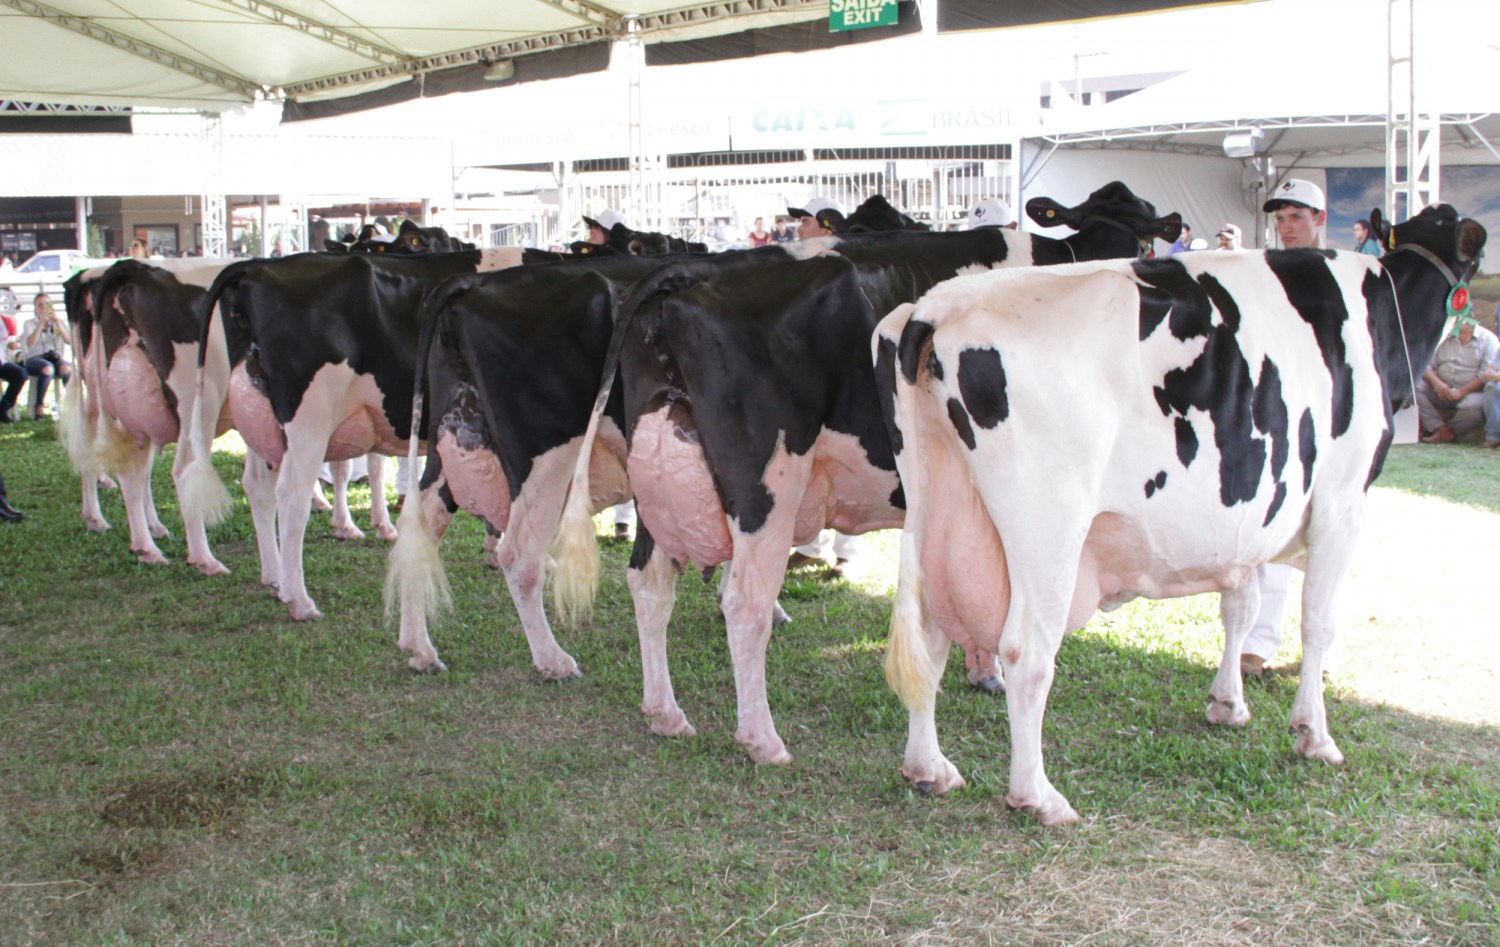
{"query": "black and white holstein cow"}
[(1188, 420), (507, 368), (753, 421), (322, 354), (136, 342)]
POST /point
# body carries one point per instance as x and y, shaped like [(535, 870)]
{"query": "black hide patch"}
[(1313, 292), (981, 382), (1156, 483), (1307, 448), (885, 383), (1217, 382), (914, 339), (960, 419)]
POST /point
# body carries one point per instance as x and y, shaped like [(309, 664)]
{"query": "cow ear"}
[(835, 221), (1049, 213), (1471, 237), (1381, 229), (1167, 228)]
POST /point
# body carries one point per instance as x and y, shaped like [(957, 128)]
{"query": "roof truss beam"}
[(238, 84), (281, 16)]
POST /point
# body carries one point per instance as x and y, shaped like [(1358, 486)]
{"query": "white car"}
[(41, 273)]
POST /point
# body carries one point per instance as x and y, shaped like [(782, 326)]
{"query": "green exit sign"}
[(858, 14)]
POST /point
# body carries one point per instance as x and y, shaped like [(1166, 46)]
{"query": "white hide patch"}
[(499, 258), (844, 490)]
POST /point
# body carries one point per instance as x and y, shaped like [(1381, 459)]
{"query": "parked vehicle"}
[(43, 272)]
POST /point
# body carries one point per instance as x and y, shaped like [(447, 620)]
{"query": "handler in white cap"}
[(1300, 212), (991, 212), (599, 227), (812, 220)]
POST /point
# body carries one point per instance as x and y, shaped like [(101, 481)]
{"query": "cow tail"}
[(909, 668), (73, 423), (200, 489), (575, 547), (415, 581)]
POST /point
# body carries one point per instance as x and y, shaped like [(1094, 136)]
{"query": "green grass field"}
[(182, 763)]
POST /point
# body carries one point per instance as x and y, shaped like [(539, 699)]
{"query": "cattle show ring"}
[(794, 471)]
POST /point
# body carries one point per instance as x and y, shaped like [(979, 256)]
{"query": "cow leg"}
[(135, 472), (1029, 669), (1329, 552), (779, 615), (153, 519), (199, 555), (653, 589), (522, 556), (259, 480), (380, 511), (755, 576), (421, 534), (93, 517), (319, 502), (342, 526), (294, 486), (1226, 699)]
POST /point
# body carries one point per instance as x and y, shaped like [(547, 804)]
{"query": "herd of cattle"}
[(1058, 425)]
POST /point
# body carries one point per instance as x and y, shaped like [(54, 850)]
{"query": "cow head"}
[(1114, 206), (1457, 242)]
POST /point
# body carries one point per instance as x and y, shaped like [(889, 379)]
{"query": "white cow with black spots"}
[(1181, 423)]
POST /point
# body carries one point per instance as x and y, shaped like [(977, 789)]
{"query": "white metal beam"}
[(136, 47), (281, 16)]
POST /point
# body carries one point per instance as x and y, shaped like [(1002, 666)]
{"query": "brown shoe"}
[(1252, 665), (836, 571), (1442, 435)]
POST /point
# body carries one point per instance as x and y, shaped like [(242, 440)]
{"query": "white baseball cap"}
[(991, 212), (813, 208), (1298, 193), (606, 220)]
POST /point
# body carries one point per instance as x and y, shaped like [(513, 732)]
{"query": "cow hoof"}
[(1316, 747), (160, 532), (564, 672), (95, 525), (674, 724), (779, 617), (350, 533), (304, 611), (211, 567), (1055, 811), (149, 557), (990, 685), (387, 532), (945, 780), (426, 664), (765, 752), (1228, 712)]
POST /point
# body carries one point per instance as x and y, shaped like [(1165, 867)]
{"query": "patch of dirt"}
[(180, 801)]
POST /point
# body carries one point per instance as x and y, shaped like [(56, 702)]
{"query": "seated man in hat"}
[(1450, 393)]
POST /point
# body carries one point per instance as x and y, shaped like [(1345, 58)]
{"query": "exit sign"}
[(858, 14)]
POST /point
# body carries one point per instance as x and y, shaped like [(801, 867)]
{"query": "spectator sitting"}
[(1229, 237), (46, 339), (760, 236), (1450, 393)]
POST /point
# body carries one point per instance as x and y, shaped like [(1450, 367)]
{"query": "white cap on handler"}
[(606, 220), (813, 208), (991, 212), (1298, 193)]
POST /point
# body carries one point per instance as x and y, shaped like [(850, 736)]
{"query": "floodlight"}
[(1245, 144)]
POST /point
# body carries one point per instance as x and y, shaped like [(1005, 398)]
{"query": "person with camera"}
[(46, 339)]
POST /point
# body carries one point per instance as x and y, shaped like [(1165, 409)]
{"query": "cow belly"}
[(846, 491), (133, 395), (674, 492), (254, 419), (476, 481)]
